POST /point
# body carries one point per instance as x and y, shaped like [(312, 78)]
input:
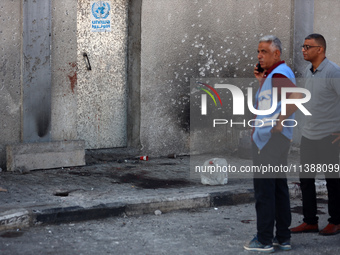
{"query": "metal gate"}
[(101, 76)]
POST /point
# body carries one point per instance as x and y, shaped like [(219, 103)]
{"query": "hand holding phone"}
[(259, 68)]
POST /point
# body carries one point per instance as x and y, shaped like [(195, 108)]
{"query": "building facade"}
[(117, 73)]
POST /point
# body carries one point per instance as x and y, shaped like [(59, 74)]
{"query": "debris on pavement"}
[(3, 190)]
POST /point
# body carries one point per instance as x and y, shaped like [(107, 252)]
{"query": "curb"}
[(76, 213), (15, 218), (23, 218), (20, 218)]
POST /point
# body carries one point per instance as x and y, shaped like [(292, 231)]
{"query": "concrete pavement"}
[(116, 182)]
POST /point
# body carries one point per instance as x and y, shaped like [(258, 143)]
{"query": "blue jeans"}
[(271, 191)]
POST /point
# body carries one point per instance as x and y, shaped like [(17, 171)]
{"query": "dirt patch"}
[(11, 234), (152, 183), (298, 210)]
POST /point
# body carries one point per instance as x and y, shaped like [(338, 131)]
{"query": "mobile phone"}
[(259, 68)]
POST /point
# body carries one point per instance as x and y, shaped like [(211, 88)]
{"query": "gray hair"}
[(276, 43)]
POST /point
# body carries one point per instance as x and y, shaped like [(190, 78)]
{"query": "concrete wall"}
[(134, 73), (314, 16), (326, 18), (303, 26), (191, 39), (169, 42), (101, 124), (64, 70), (10, 74)]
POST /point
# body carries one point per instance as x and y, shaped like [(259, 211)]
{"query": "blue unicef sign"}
[(100, 16)]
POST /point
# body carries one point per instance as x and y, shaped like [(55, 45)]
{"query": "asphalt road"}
[(222, 230)]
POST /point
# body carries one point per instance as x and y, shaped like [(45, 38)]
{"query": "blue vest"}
[(264, 98)]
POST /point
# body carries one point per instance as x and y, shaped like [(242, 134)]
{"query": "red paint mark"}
[(73, 75), (73, 80)]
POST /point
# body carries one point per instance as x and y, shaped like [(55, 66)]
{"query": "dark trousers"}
[(271, 191), (323, 152)]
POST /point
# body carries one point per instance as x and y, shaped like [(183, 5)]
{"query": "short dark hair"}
[(319, 39)]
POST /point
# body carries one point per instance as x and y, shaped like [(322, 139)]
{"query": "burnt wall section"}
[(36, 71)]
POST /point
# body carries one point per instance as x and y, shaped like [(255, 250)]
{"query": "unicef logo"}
[(100, 10)]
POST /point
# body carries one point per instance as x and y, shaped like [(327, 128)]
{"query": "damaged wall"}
[(88, 106), (199, 39), (170, 42)]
